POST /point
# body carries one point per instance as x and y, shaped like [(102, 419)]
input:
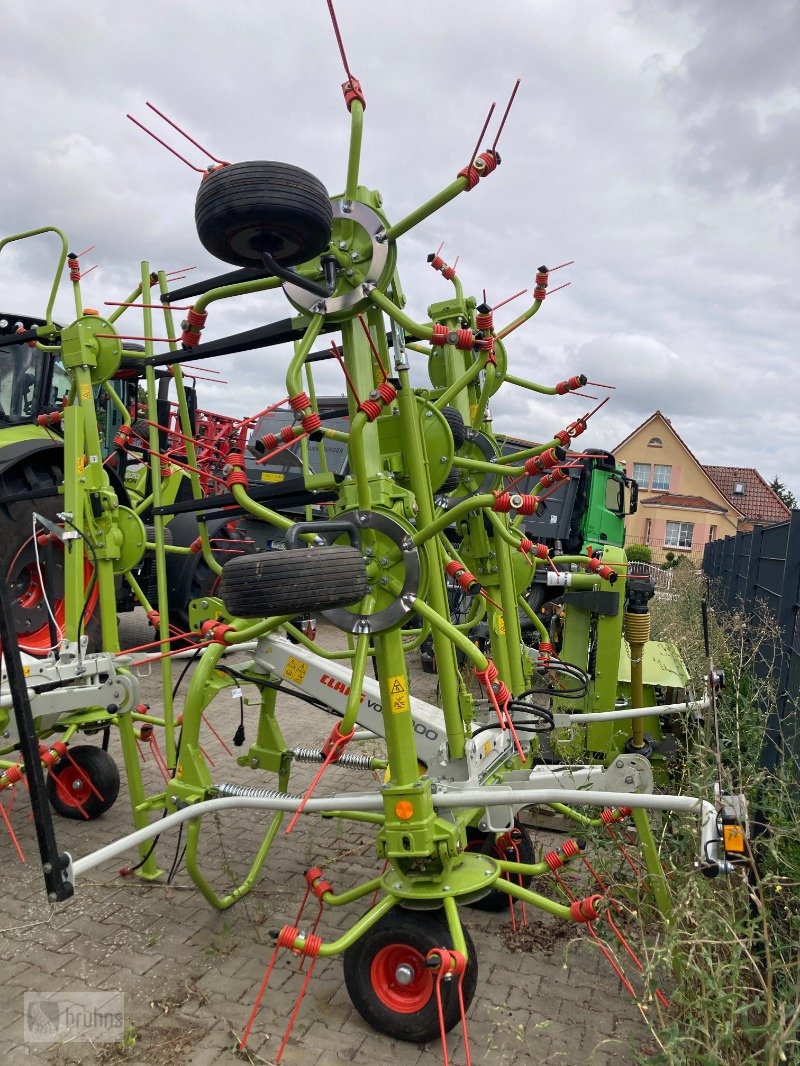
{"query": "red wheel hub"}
[(73, 786), (27, 594), (400, 978)]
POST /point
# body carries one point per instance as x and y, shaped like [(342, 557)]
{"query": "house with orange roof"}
[(683, 503)]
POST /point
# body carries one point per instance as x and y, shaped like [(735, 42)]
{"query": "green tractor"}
[(33, 387)]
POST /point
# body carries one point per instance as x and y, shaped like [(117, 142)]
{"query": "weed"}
[(734, 941)]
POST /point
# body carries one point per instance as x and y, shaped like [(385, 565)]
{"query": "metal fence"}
[(758, 573)]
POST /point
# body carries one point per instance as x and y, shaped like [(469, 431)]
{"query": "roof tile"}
[(758, 502)]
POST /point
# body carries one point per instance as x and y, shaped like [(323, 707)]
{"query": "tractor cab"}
[(32, 382)]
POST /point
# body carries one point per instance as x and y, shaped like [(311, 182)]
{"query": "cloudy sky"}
[(655, 142)]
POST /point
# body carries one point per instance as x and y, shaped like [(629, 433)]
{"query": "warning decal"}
[(398, 693), (295, 670)]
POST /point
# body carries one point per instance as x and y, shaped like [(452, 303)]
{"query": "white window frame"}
[(642, 484), (677, 536), (657, 485)]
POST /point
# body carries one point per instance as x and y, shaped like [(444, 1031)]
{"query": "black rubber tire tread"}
[(421, 930), (450, 483), (101, 770), (290, 582), (245, 208), (455, 421), (497, 900)]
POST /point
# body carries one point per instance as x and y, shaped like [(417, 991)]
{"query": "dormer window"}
[(738, 488), (655, 442)]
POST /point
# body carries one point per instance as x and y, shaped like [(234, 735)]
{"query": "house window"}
[(655, 442), (738, 488), (641, 475), (678, 535), (661, 476), (712, 533)]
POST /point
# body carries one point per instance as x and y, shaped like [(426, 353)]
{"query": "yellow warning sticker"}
[(487, 747), (398, 693), (500, 624), (26, 671), (81, 463), (295, 670), (268, 475), (473, 410), (86, 391)]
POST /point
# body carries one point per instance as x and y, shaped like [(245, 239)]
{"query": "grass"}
[(734, 942)]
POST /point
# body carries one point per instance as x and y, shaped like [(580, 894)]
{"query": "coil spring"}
[(245, 792), (348, 760)]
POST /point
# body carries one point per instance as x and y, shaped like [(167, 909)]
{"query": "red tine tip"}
[(183, 133), (505, 115)]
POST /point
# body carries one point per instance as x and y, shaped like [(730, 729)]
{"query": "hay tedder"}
[(429, 501)]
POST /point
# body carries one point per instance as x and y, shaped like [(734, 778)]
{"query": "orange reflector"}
[(90, 311), (733, 838), (404, 810)]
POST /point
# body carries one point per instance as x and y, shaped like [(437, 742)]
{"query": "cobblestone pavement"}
[(190, 974)]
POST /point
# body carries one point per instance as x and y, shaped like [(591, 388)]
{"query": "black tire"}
[(68, 785), (477, 840), (406, 1012), (291, 582), (450, 483), (17, 557), (246, 209), (455, 421)]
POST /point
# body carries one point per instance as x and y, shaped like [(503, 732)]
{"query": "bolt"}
[(620, 764), (383, 560), (398, 885), (254, 763), (354, 256), (342, 245), (404, 974), (77, 785), (47, 867), (445, 888), (173, 799), (629, 779)]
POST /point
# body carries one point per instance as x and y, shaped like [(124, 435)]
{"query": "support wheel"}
[(389, 984), (246, 209), (293, 582), (500, 847), (87, 786)]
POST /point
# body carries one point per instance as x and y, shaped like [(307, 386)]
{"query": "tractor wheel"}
[(246, 209), (389, 983), (293, 582), (18, 563), (226, 544), (477, 840), (87, 786)]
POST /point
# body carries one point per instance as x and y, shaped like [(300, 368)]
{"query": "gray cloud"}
[(655, 143)]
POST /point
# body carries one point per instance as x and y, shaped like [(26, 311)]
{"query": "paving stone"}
[(164, 945)]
